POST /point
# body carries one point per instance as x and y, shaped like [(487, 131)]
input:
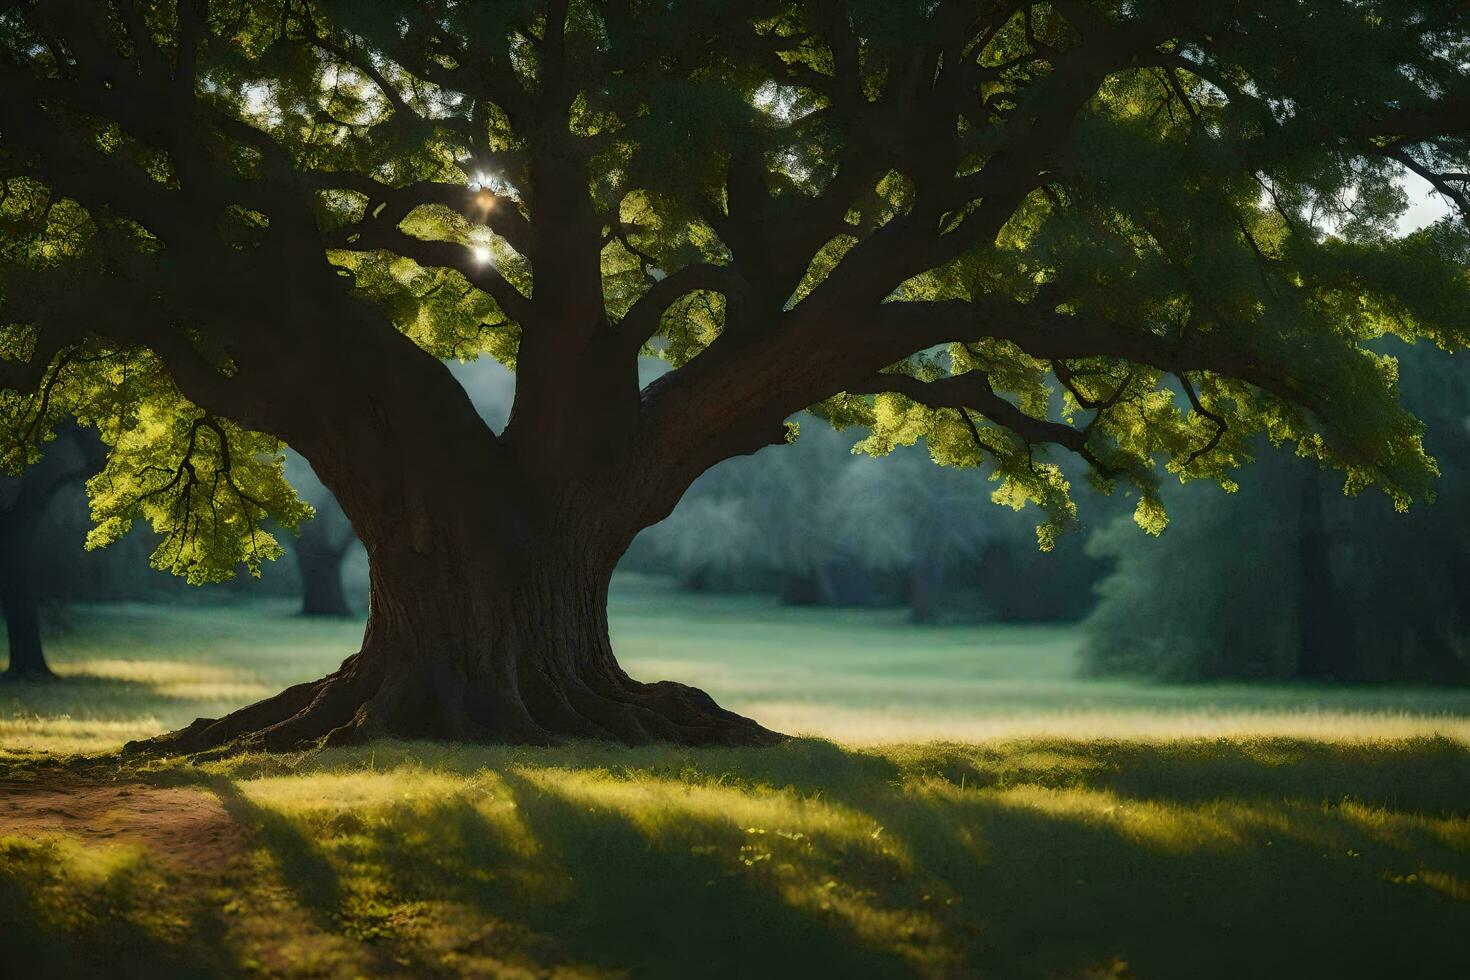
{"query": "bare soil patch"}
[(186, 827)]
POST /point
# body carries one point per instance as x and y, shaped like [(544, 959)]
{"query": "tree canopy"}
[(786, 201), (1006, 229)]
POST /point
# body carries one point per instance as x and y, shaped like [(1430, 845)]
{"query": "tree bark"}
[(487, 618), (489, 558), (455, 651)]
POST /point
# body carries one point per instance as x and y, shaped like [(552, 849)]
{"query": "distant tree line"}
[(1290, 578), (818, 525)]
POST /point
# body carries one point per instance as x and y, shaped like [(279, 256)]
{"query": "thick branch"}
[(444, 255), (1444, 183), (388, 206), (1041, 332), (642, 321)]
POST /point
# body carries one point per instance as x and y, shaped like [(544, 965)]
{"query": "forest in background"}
[(1356, 592)]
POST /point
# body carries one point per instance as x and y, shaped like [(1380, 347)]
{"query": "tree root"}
[(356, 704)]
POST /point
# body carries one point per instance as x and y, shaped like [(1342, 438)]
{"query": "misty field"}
[(963, 805)]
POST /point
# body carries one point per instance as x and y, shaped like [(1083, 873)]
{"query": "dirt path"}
[(185, 827), (202, 850)]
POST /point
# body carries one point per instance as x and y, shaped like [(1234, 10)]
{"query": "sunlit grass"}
[(978, 811), (880, 726), (863, 677), (28, 734), (1019, 858)]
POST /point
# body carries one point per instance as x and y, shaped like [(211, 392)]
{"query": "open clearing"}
[(1064, 829), (862, 677)]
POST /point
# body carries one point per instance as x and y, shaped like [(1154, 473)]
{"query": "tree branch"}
[(362, 62), (444, 255), (1041, 332), (1219, 422), (972, 390), (642, 320), (388, 206)]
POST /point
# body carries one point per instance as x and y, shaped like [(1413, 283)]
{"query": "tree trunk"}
[(926, 598), (1323, 638), (68, 458), (927, 593), (320, 563), (18, 598), (809, 588), (482, 634), (697, 580), (489, 563)]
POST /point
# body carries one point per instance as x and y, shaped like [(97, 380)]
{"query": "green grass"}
[(1066, 829), (859, 676), (1067, 858)]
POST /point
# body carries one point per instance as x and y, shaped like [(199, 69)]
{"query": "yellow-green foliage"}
[(1243, 264), (203, 483)]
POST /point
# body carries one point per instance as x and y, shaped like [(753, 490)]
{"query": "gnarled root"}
[(362, 700)]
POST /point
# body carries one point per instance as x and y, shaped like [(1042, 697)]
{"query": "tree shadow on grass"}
[(1432, 773), (691, 892), (54, 924), (1036, 859), (311, 878), (568, 882), (1273, 858), (1217, 860), (1064, 878)]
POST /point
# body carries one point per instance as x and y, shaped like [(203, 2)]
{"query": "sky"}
[(1426, 206)]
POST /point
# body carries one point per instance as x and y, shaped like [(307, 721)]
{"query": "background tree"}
[(321, 544), (711, 536), (902, 514), (787, 521), (69, 458), (233, 226), (1355, 591), (817, 524)]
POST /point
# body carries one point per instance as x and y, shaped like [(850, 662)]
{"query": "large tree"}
[(1004, 228)]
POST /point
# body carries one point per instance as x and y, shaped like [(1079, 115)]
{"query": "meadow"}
[(958, 803)]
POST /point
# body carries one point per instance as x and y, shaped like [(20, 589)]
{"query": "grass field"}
[(862, 677), (969, 809)]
